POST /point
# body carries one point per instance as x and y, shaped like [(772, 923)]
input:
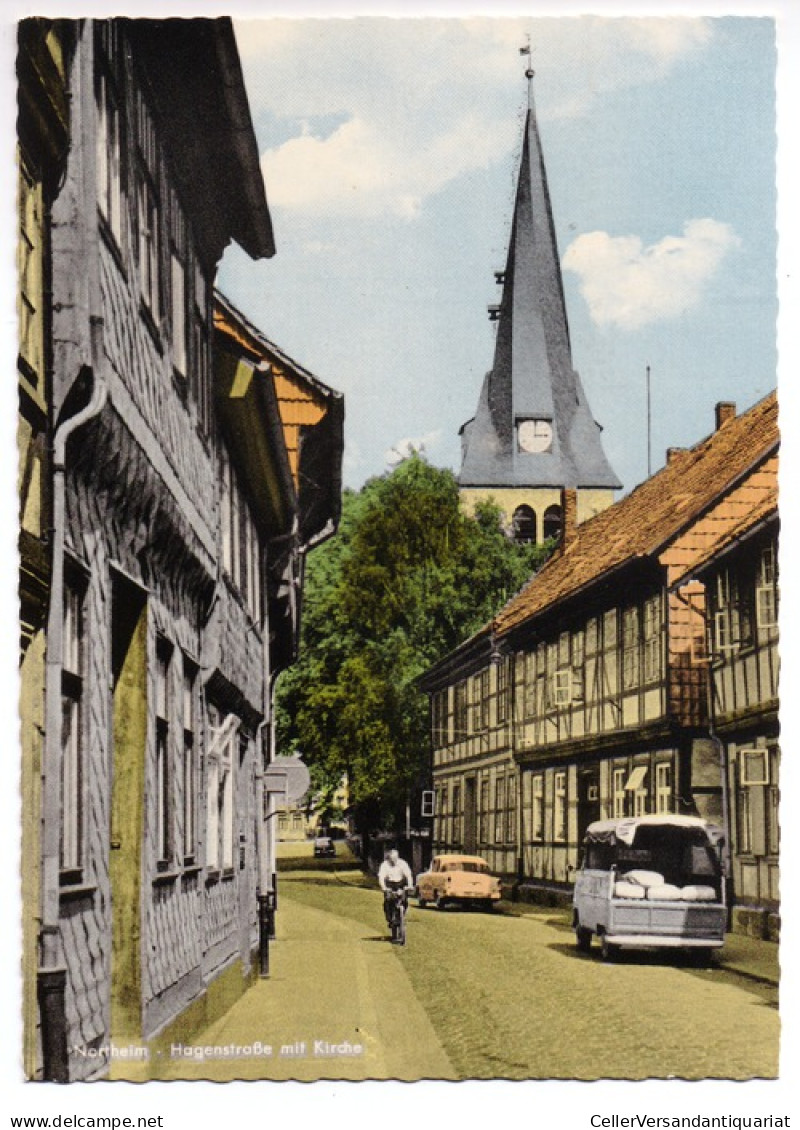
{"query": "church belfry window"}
[(523, 524), (551, 526)]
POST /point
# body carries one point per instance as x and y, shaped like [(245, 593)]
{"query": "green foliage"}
[(406, 579)]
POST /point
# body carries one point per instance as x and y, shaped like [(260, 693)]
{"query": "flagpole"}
[(649, 468)]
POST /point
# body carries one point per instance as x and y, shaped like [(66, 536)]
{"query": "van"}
[(650, 882)]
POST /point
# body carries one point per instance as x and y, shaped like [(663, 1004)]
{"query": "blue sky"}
[(389, 149)]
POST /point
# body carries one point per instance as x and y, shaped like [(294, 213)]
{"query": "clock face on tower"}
[(534, 436)]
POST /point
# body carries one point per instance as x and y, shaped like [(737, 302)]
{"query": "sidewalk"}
[(751, 957), (337, 1005)]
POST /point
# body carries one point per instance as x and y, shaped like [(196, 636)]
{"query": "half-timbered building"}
[(733, 551), (587, 695), (179, 526), (43, 57)]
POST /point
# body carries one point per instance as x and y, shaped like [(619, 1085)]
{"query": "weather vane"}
[(529, 72)]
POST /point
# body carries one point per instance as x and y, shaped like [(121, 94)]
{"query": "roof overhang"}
[(319, 485), (251, 424), (197, 92)]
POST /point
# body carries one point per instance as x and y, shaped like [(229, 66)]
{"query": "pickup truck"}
[(651, 882)]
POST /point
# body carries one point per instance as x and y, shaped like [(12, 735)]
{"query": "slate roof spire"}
[(532, 377)]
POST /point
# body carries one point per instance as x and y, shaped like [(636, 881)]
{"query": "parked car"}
[(651, 882), (462, 879), (324, 846)]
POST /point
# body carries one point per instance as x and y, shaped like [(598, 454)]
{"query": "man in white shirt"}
[(394, 874)]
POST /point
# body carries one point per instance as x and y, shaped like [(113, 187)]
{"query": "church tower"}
[(533, 434)]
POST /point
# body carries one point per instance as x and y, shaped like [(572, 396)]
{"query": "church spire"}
[(533, 426)]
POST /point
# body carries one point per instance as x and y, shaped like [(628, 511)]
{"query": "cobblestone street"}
[(474, 995)]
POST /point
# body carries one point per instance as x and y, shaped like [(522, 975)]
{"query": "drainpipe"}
[(51, 975), (722, 755)]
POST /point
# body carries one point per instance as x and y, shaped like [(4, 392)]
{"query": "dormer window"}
[(534, 435)]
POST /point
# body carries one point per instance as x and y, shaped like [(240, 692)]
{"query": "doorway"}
[(588, 799)]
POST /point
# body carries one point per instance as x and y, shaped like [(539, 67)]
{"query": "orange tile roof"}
[(225, 324), (646, 520)]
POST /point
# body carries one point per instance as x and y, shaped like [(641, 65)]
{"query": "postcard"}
[(397, 562)]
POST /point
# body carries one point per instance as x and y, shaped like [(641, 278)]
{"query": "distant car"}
[(462, 879), (324, 846)]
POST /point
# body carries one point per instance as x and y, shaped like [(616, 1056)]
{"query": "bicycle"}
[(396, 905)]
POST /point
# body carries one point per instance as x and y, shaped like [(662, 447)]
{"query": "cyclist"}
[(394, 875)]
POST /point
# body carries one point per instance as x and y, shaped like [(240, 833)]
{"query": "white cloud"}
[(628, 285), (422, 101), (403, 448), (362, 169)]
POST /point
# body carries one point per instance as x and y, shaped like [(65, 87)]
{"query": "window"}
[(767, 592), (109, 154), (773, 804), (511, 804), (663, 786), (637, 785), (618, 776), (179, 318), (551, 526), (241, 546), (630, 648), (223, 733), (439, 718), (456, 833), (163, 828), (484, 693), (484, 811), (560, 807), (734, 597), (652, 639), (523, 524), (529, 686), (147, 224), (201, 350), (561, 687), (537, 808), (503, 692), (148, 220), (578, 647), (460, 714), (30, 280), (499, 808), (726, 619), (72, 744), (480, 702), (189, 763), (754, 765), (501, 709)]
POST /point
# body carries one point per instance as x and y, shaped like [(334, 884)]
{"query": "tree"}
[(407, 578)]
